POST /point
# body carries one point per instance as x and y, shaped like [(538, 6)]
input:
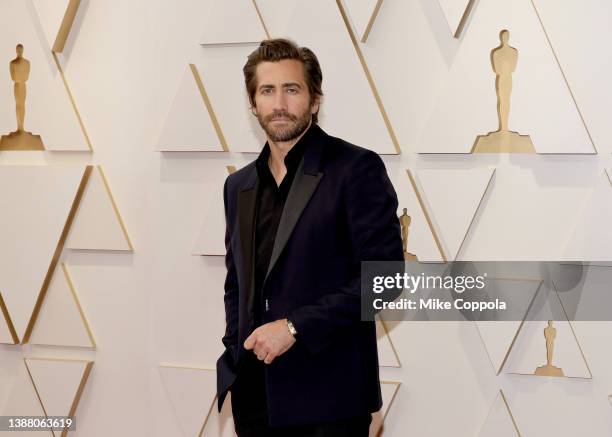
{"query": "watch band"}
[(291, 328)]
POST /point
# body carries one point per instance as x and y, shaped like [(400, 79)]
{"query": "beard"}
[(293, 127)]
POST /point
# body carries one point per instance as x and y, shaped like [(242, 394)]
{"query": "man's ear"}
[(316, 102), (254, 110)]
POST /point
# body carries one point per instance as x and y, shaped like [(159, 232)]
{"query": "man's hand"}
[(270, 340)]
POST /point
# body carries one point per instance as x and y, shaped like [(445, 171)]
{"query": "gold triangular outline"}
[(386, 413), (586, 363), (369, 77), (498, 370), (115, 208), (79, 308), (476, 210), (501, 394), (552, 49), (433, 232), (9, 322), (66, 25), (58, 251), (209, 107), (77, 394), (390, 340), (212, 404)]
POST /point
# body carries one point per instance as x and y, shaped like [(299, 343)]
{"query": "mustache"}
[(280, 114)]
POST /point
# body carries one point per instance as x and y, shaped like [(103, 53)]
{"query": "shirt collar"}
[(293, 157)]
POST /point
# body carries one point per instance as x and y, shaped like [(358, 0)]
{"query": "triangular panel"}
[(453, 198), (38, 200), (61, 321), (59, 384), (97, 223), (591, 239), (538, 87), (192, 392), (60, 128), (188, 125), (500, 421)]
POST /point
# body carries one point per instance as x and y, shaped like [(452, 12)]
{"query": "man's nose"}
[(280, 101)]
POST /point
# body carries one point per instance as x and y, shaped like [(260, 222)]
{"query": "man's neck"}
[(278, 151)]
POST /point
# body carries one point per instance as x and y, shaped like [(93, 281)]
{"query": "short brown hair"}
[(274, 50)]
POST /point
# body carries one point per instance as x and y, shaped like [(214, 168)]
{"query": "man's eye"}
[(292, 90), (266, 91)]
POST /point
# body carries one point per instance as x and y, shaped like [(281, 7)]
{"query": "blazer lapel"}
[(302, 188)]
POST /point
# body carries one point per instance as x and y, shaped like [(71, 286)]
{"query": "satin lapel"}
[(302, 188), (246, 216)]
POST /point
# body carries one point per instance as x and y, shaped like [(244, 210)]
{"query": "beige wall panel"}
[(407, 64), (211, 237), (529, 212), (61, 321), (454, 12), (188, 126), (499, 422), (59, 127), (591, 239), (431, 388), (232, 22), (191, 392), (453, 198), (499, 336), (38, 200), (344, 79), (579, 31), (221, 72), (540, 102), (97, 224), (23, 401), (59, 383), (557, 406)]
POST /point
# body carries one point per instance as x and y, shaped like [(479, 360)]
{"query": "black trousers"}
[(250, 410)]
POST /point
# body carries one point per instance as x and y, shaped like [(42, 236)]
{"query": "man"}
[(300, 219)]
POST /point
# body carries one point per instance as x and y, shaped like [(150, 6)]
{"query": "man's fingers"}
[(250, 341), (269, 358)]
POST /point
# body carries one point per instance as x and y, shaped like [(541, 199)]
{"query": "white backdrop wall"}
[(159, 309)]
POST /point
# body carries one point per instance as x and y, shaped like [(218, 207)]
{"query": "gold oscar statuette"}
[(503, 60), (549, 370), (405, 224), (20, 139)]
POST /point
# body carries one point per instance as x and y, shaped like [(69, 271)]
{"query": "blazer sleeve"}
[(370, 203), (230, 297)]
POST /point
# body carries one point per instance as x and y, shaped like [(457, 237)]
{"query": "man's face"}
[(282, 99)]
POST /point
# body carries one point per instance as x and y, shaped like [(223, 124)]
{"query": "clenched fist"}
[(270, 340)]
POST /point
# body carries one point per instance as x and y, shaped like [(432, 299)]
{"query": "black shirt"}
[(270, 203)]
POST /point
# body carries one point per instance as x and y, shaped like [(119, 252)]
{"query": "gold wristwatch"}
[(292, 329)]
